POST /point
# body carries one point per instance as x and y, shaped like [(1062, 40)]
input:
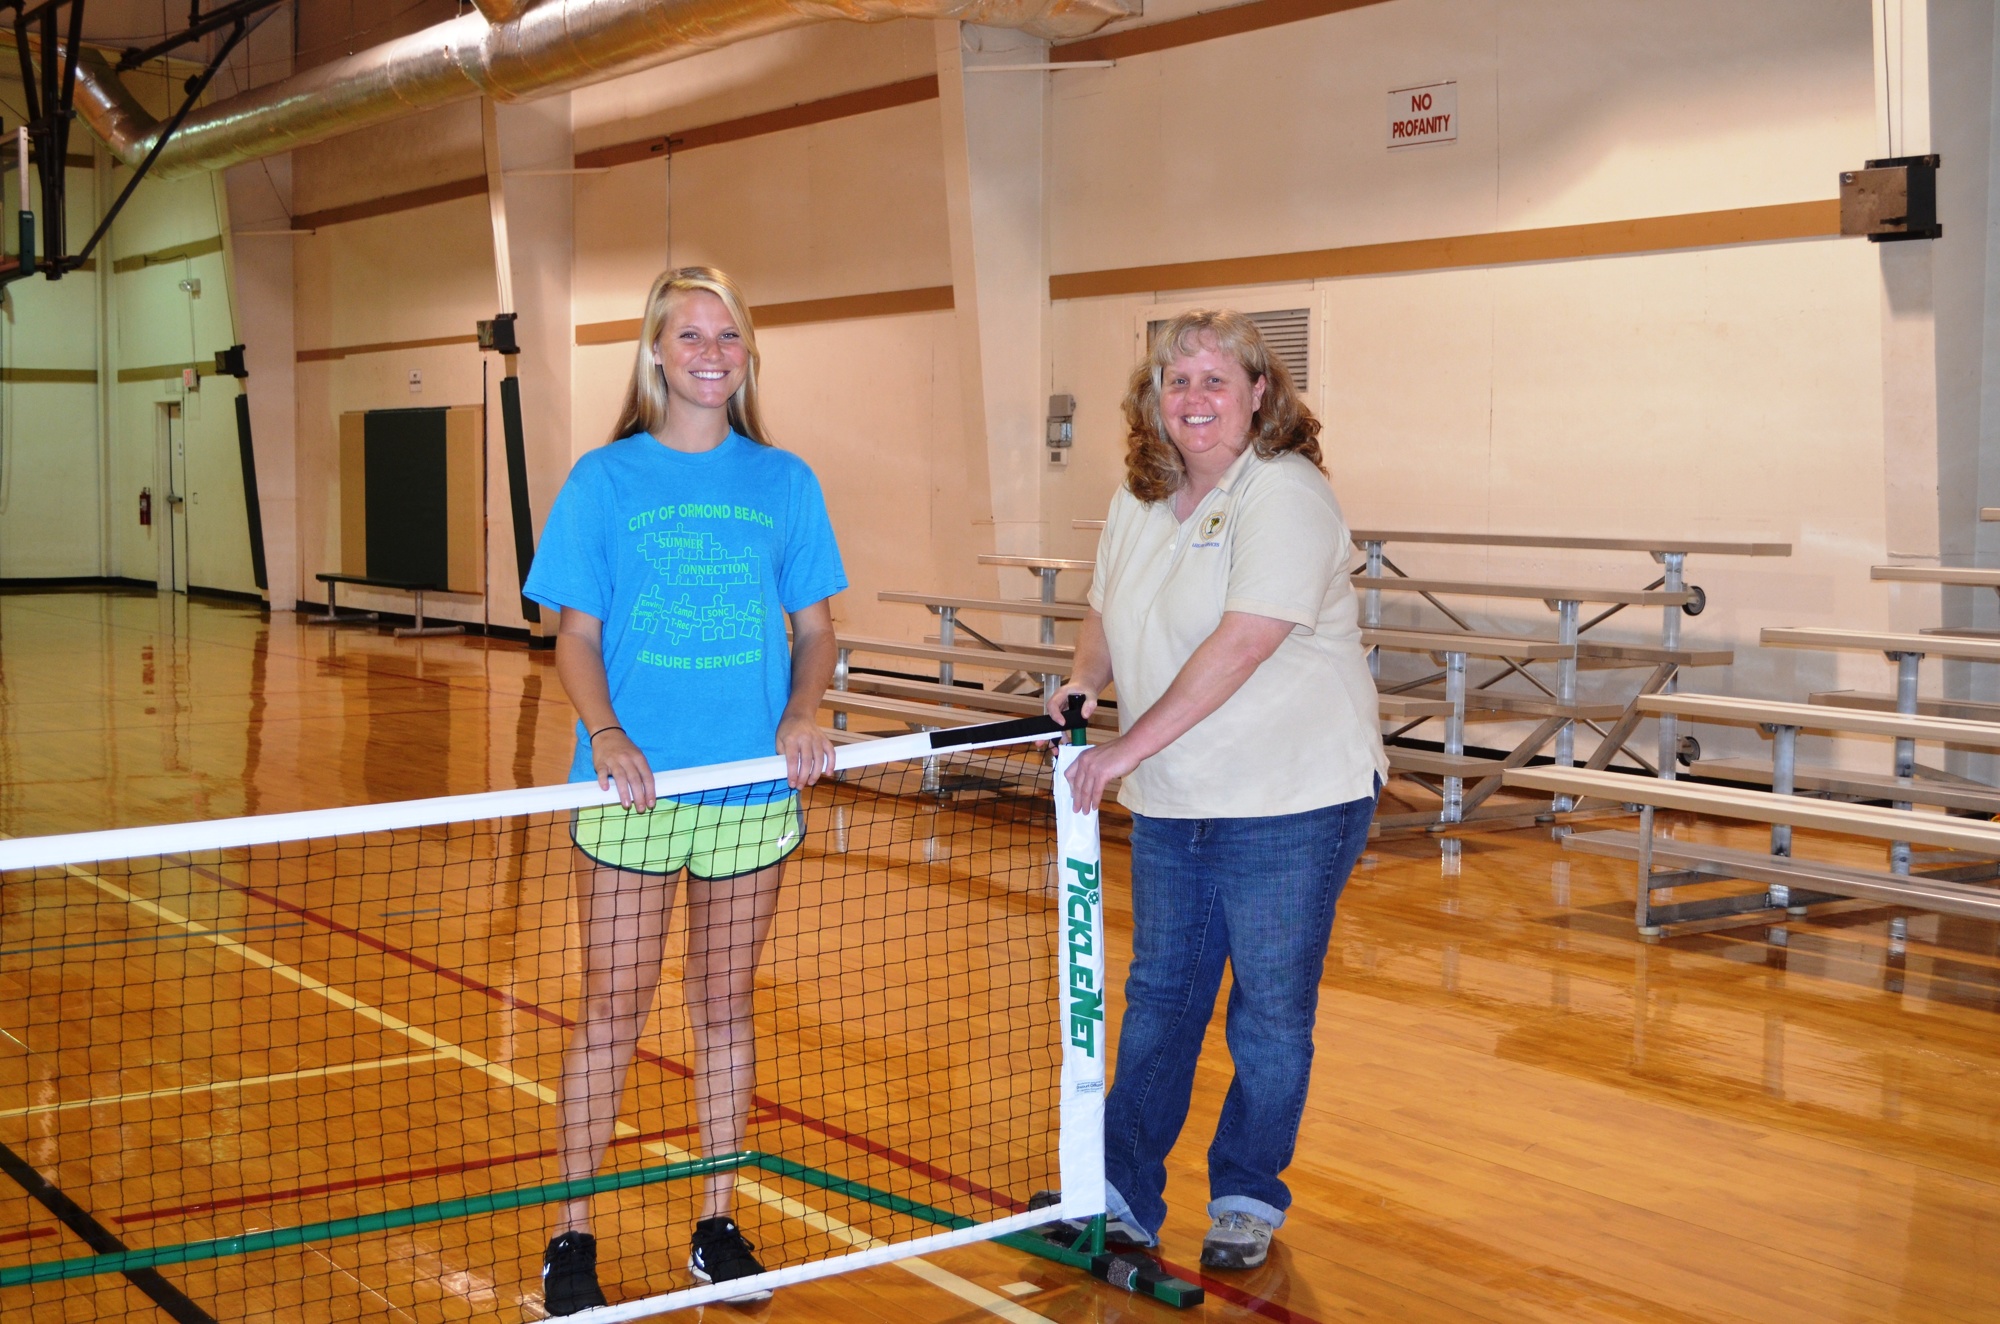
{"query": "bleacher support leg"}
[(1566, 695), (1673, 566), (1643, 911), (1371, 604), (1784, 772), (1906, 749), (1048, 577), (948, 637), (1454, 736), (840, 669)]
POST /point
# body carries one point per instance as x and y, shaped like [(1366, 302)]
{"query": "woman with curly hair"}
[(1250, 756)]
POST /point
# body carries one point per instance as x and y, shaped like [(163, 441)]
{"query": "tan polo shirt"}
[(1302, 732)]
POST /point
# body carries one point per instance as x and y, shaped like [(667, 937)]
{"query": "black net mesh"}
[(346, 1056)]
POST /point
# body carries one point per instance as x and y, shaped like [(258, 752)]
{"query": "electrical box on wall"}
[(1061, 431), (1894, 198)]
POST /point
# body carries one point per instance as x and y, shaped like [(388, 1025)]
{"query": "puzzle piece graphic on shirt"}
[(689, 559)]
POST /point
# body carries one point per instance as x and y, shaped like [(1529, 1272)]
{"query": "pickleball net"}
[(307, 1066)]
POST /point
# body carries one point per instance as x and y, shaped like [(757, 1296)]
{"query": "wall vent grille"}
[(1285, 330)]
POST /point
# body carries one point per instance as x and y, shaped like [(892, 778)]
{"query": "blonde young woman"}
[(675, 553), (1250, 758)]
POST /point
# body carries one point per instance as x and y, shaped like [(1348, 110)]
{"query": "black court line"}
[(100, 1239)]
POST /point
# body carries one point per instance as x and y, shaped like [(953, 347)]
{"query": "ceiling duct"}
[(552, 46)]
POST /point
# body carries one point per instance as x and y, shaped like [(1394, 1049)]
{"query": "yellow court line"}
[(815, 1219), (247, 1082)]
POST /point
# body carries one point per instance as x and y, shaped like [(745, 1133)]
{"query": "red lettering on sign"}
[(1420, 128), (1422, 102)]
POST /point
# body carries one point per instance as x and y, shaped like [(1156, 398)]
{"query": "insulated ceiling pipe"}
[(554, 46)]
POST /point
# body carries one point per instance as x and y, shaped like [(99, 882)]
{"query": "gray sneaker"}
[(1236, 1240)]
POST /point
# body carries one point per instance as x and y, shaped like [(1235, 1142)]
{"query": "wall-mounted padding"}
[(411, 496)]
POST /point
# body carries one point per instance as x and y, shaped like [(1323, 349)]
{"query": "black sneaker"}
[(722, 1254), (569, 1275)]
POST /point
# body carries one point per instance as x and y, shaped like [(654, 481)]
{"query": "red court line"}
[(25, 1234), (1234, 1295), (380, 1179), (909, 1162)]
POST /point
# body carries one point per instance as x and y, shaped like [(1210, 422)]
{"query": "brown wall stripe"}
[(931, 299), (1201, 27), (76, 160), (1133, 41), (395, 202), (1707, 229), (335, 352), (33, 375), (164, 372), (770, 121), (140, 261)]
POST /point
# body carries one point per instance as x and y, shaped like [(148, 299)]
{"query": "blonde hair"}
[(645, 408), (1153, 466)]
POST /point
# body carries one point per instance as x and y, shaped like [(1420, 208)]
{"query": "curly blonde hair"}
[(1154, 470), (645, 407)]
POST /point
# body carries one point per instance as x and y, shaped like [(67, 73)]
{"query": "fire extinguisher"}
[(145, 505)]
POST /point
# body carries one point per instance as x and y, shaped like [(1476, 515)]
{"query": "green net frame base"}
[(1134, 1273)]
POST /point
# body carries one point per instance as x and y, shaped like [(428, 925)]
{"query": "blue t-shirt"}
[(691, 562)]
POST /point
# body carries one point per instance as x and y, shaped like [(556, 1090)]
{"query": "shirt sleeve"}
[(1286, 551), (572, 567), (1100, 571), (812, 570)]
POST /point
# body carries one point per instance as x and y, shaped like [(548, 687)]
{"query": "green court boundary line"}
[(250, 1243)]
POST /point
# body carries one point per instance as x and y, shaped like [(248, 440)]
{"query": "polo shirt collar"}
[(1248, 457)]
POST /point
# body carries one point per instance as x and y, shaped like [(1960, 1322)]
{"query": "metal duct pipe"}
[(555, 46), (502, 11)]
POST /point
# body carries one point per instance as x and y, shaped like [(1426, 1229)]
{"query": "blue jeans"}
[(1260, 893)]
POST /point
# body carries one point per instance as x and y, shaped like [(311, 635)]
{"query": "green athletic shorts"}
[(708, 840)]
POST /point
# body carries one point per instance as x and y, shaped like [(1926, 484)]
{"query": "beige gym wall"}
[(1730, 392), (80, 450)]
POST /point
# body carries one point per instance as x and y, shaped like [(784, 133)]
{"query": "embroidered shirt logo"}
[(1212, 525)]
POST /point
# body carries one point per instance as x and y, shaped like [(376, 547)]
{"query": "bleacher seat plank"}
[(1062, 611), (1958, 576), (1823, 717), (1764, 807), (1035, 562), (1405, 707), (1706, 547), (1032, 663), (1866, 785), (1436, 763), (1957, 710), (1061, 652), (1509, 647), (902, 710), (1489, 703), (963, 696), (1541, 592), (1651, 655), (1879, 641), (1938, 894)]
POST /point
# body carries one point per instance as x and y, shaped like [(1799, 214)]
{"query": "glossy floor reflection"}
[(1520, 1110)]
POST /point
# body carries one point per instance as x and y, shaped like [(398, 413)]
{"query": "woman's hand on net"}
[(1095, 769), (1056, 701), (808, 753), (618, 760)]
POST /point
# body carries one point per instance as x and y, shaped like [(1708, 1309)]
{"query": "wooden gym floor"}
[(1519, 1110)]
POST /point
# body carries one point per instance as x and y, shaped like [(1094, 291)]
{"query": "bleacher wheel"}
[(1687, 752), (1694, 604)]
